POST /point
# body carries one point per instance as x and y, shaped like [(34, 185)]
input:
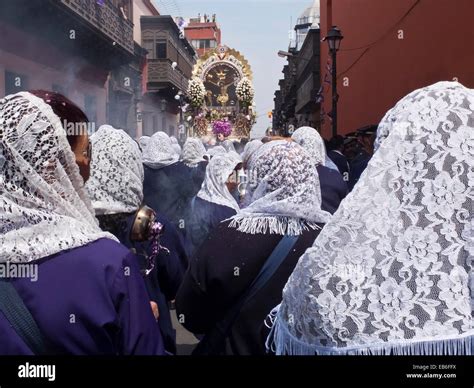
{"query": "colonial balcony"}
[(98, 31), (105, 18), (161, 75)]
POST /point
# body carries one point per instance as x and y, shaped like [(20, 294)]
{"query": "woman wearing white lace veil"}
[(193, 152), (116, 182), (333, 187), (116, 190), (281, 208), (46, 214), (287, 201), (194, 158), (390, 273), (213, 203), (159, 152), (169, 184)]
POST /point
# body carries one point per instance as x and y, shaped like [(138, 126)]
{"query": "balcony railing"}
[(106, 18), (161, 72)]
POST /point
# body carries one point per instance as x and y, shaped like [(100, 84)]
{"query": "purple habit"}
[(89, 300)]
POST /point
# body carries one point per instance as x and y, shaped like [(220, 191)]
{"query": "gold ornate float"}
[(221, 90)]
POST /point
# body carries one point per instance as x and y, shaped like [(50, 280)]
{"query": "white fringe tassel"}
[(282, 342), (271, 224)]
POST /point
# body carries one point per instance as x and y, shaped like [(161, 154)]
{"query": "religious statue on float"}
[(221, 95)]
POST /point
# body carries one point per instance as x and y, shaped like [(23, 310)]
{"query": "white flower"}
[(454, 289), (448, 230), (418, 247), (245, 91), (428, 112), (357, 297), (331, 308), (443, 195), (461, 144), (409, 192), (423, 283), (409, 159), (390, 302), (196, 91)]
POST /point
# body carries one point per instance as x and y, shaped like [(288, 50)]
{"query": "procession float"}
[(221, 96)]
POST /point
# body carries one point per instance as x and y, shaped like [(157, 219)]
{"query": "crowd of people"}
[(360, 245)]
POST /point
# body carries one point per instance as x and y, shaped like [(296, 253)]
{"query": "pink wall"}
[(393, 67)]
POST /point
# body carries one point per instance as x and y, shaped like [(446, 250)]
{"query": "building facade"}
[(391, 48), (169, 64), (203, 33), (296, 100), (68, 46)]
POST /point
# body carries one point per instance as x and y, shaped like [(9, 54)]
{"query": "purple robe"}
[(90, 300)]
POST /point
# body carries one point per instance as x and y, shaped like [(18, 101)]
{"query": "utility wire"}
[(369, 46)]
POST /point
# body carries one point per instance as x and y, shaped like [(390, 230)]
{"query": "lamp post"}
[(334, 38)]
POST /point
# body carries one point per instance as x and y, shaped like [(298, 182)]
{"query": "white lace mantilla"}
[(283, 191), (214, 188), (44, 208), (310, 139), (193, 152), (392, 272), (116, 182), (159, 151)]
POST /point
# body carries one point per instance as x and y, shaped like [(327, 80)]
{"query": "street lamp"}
[(334, 38)]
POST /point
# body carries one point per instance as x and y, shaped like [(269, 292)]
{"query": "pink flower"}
[(222, 127)]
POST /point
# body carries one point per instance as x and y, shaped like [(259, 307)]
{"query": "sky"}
[(256, 28)]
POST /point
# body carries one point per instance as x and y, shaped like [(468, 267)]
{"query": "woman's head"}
[(159, 151), (74, 121), (116, 182), (312, 142), (193, 152), (284, 169), (215, 187), (405, 231), (283, 191), (42, 193)]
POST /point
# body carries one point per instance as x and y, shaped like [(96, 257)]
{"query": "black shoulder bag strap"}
[(213, 342), (20, 318)]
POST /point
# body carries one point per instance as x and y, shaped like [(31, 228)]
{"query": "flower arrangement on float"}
[(222, 127), (196, 92), (245, 91)]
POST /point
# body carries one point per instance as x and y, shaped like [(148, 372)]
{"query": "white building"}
[(310, 18)]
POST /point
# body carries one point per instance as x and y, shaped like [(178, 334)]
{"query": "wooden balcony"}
[(105, 18), (161, 75), (102, 35)]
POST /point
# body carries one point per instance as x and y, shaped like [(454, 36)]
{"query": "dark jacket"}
[(358, 165), (333, 188), (341, 162), (203, 218), (169, 190), (220, 272)]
